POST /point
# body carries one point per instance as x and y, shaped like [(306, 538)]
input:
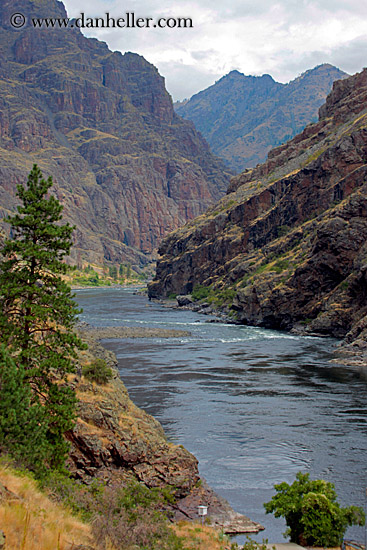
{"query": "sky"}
[(255, 37)]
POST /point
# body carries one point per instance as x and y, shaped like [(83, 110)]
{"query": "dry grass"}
[(201, 537), (34, 522)]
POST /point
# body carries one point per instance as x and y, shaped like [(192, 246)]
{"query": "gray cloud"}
[(283, 38)]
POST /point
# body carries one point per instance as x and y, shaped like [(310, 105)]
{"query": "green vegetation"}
[(280, 266), (311, 512), (224, 296), (107, 275), (344, 285), (313, 157), (251, 544), (282, 230), (200, 292), (89, 277), (98, 372), (217, 297), (126, 517), (23, 427), (37, 316)]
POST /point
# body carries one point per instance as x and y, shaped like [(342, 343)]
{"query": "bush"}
[(98, 372), (200, 292), (81, 499), (251, 544), (133, 517), (311, 512)]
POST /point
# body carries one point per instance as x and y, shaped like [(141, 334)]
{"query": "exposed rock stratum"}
[(126, 168), (286, 248)]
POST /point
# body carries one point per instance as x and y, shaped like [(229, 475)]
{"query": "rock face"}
[(115, 441), (243, 117), (286, 248), (126, 168)]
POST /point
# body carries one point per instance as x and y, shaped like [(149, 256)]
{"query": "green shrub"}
[(280, 265), (282, 230), (133, 517), (80, 499), (130, 517), (224, 296), (200, 292), (251, 544), (311, 512), (98, 372)]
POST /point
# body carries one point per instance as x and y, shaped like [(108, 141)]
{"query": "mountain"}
[(243, 117), (287, 247), (126, 168)]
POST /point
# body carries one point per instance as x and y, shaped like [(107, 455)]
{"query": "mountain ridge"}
[(243, 117), (126, 168), (286, 248)]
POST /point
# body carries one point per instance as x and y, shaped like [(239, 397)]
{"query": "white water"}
[(253, 405)]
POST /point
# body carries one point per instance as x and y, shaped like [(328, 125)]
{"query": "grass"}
[(104, 276), (32, 521), (201, 537)]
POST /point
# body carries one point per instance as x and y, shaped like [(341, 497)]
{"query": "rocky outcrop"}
[(286, 248), (243, 117), (126, 168), (220, 513), (115, 441)]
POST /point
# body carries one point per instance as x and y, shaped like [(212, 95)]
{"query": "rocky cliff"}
[(116, 442), (126, 168), (286, 248), (243, 117)]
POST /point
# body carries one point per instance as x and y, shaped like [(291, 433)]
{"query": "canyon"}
[(126, 168), (286, 247)]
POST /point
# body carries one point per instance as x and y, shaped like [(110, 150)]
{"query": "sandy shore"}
[(103, 333)]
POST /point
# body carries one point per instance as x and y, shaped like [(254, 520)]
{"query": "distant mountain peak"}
[(243, 117)]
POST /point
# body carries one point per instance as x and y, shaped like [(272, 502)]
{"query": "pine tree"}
[(37, 310), (23, 426)]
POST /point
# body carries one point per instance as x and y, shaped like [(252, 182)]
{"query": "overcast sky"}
[(283, 38)]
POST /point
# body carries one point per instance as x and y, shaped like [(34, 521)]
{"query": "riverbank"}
[(104, 333), (255, 406), (115, 441), (352, 350)]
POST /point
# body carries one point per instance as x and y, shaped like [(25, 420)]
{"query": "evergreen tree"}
[(23, 426), (37, 311)]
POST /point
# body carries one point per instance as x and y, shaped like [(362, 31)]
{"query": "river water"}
[(255, 406)]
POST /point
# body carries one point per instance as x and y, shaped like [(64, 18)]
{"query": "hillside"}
[(286, 248), (126, 168), (243, 117), (119, 459)]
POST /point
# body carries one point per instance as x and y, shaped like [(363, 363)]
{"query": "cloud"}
[(282, 38)]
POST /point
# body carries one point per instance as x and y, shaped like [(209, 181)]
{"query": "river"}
[(255, 406)]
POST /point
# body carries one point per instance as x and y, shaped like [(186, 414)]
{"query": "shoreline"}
[(350, 350), (220, 512), (107, 333)]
